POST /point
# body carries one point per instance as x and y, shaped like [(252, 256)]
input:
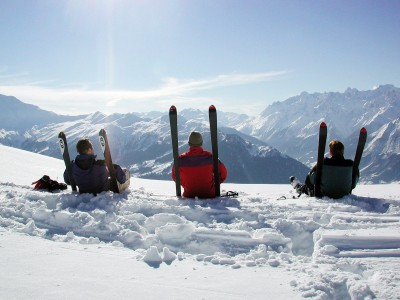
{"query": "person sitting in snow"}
[(337, 175), (196, 169), (91, 175)]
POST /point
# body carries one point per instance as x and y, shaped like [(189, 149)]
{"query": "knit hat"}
[(195, 139)]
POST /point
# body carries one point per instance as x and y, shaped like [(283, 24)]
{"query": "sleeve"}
[(121, 177), (173, 172), (312, 175), (223, 173), (353, 185)]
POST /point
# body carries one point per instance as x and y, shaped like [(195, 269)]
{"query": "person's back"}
[(91, 175), (336, 179), (337, 174), (196, 170)]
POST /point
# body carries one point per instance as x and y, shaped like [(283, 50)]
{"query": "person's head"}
[(84, 146), (336, 148), (195, 139)]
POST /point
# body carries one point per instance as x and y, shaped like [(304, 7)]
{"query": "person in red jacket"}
[(196, 170)]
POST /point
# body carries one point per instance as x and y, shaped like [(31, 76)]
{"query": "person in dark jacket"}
[(196, 170), (91, 175), (337, 174)]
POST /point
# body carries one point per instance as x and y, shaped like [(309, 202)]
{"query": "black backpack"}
[(45, 183)]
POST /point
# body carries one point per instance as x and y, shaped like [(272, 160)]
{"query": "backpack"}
[(45, 183)]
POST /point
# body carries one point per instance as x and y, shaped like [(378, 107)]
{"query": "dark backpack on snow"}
[(45, 183)]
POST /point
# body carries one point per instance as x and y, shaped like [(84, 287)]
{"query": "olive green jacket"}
[(336, 179)]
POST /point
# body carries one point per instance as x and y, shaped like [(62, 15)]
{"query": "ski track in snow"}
[(324, 244)]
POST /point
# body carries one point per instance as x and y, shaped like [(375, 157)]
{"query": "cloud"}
[(12, 76), (84, 100), (173, 85)]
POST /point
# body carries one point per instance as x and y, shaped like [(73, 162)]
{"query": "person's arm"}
[(173, 173), (223, 173), (312, 175), (353, 185)]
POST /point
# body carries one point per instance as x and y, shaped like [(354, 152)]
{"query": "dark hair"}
[(336, 148), (83, 146)]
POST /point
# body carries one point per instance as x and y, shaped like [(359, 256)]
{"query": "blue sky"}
[(81, 56)]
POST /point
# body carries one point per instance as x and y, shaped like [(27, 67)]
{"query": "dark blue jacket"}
[(91, 175)]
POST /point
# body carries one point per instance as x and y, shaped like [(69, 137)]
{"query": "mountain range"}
[(267, 148), (291, 126), (142, 142)]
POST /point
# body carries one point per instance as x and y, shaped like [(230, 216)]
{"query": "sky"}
[(82, 56)]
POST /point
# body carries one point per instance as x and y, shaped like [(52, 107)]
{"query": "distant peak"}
[(96, 116), (97, 113), (350, 90), (384, 87)]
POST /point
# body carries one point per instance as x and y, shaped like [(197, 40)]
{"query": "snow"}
[(147, 244)]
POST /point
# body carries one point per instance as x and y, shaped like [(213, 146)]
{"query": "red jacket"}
[(196, 173)]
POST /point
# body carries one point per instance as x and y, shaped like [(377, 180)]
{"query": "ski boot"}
[(297, 185)]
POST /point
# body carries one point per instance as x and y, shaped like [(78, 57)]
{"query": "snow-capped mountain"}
[(18, 116), (143, 144), (292, 127), (255, 149)]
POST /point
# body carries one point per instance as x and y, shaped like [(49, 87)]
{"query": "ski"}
[(173, 121), (107, 155), (62, 141), (212, 114), (323, 132), (362, 139)]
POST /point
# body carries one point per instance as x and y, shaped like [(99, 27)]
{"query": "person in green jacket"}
[(337, 175)]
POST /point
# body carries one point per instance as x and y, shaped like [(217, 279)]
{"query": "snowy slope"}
[(147, 244)]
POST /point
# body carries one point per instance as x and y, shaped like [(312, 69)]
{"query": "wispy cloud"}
[(176, 86), (4, 75), (83, 100)]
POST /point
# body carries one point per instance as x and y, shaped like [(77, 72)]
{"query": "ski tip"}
[(363, 130), (323, 124), (212, 107), (172, 108)]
